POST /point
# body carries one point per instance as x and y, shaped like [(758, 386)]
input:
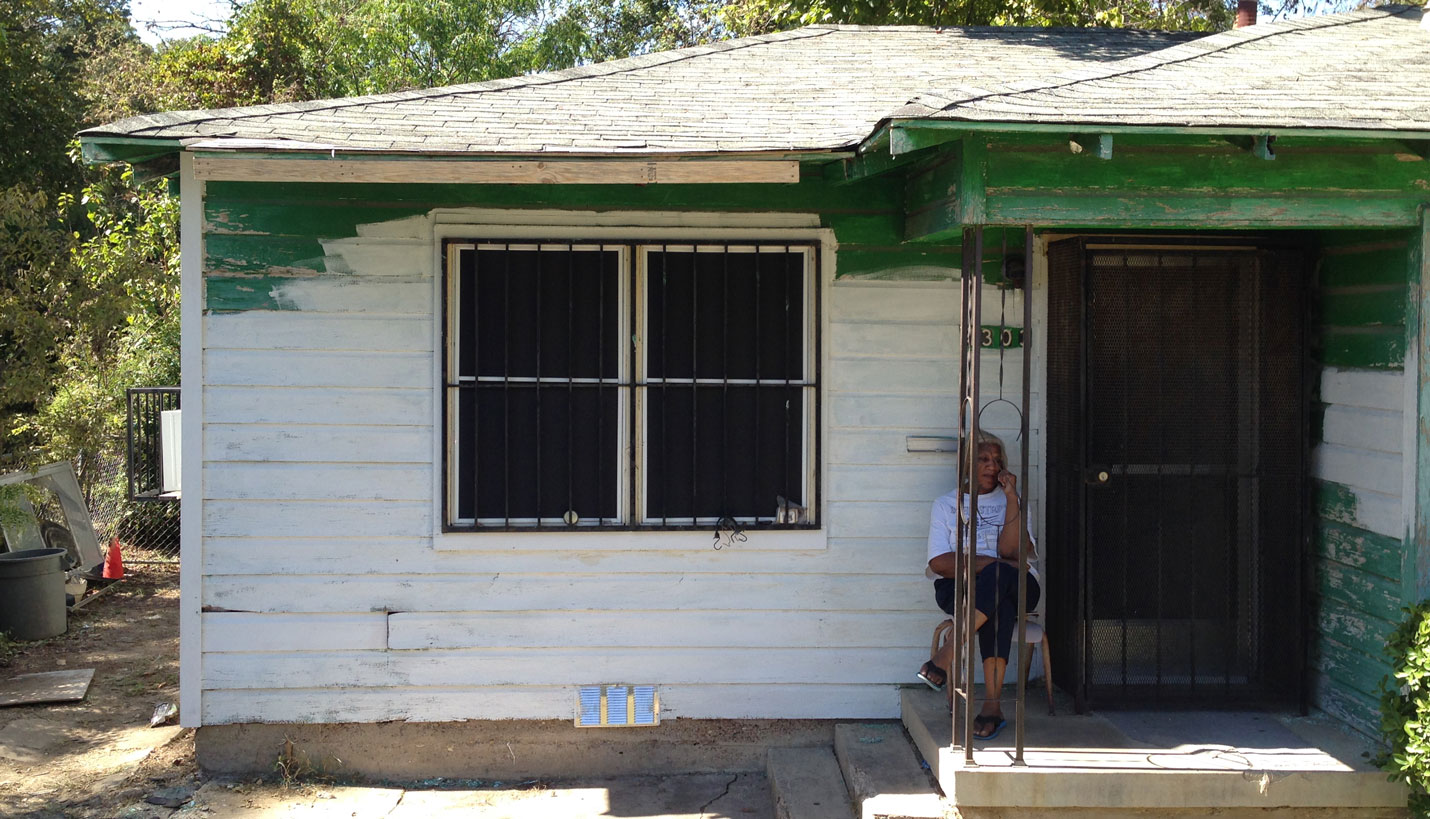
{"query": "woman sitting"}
[(995, 566)]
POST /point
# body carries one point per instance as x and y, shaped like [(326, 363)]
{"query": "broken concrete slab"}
[(46, 686)]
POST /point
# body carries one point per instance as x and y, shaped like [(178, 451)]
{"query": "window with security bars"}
[(627, 385)]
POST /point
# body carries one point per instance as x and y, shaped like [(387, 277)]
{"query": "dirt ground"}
[(99, 759), (95, 757)]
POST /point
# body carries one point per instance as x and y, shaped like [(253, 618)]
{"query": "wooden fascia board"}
[(220, 168), (98, 150), (913, 134), (874, 157), (1197, 210)]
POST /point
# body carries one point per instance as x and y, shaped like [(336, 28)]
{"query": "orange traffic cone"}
[(113, 563)]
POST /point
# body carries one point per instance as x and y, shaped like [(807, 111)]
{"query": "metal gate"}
[(1176, 461)]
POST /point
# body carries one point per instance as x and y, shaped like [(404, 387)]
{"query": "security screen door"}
[(1176, 456)]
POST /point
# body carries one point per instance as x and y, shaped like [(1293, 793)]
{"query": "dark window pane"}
[(532, 450), (717, 451), (734, 314), (546, 313)]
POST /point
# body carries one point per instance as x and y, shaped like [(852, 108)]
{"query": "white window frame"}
[(631, 227)]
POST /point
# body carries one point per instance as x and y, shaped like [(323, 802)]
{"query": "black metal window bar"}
[(625, 385), (961, 684), (144, 450)]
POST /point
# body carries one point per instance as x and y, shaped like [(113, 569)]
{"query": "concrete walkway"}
[(695, 796)]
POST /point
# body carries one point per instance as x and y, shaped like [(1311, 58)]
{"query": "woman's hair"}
[(985, 439)]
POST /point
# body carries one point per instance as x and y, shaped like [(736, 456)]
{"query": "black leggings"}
[(996, 595)]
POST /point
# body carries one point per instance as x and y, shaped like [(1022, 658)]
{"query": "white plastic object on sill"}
[(931, 443)]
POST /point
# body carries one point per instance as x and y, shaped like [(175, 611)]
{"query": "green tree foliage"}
[(1405, 707)]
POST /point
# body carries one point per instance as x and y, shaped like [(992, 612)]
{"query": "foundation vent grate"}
[(617, 706)]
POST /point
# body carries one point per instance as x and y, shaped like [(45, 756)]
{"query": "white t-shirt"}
[(992, 510)]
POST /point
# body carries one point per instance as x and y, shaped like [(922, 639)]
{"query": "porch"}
[(1139, 763)]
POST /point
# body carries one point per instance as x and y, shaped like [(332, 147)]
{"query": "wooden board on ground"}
[(47, 686)]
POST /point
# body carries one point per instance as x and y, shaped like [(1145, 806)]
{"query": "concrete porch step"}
[(883, 773), (1176, 765)]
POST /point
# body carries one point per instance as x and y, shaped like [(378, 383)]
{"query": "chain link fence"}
[(147, 528)]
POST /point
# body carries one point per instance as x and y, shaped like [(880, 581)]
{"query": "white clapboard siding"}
[(916, 412), (317, 368), (1361, 468), (894, 303), (378, 257), (1373, 389), (425, 704), (301, 481), (876, 447), (339, 444), (692, 629), (879, 518), (365, 555), (1363, 435), (1370, 429), (900, 483), (862, 340), (558, 666), (348, 294), (318, 405), (316, 518), (907, 377), (261, 330), (241, 631), (336, 592)]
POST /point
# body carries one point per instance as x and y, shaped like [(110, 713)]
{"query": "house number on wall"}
[(996, 337)]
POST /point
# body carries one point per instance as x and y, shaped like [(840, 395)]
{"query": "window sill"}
[(634, 540)]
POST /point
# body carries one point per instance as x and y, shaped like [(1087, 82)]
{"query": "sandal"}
[(932, 676), (994, 723)]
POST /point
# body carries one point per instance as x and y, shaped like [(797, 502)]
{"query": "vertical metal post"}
[(1021, 706), (966, 540)]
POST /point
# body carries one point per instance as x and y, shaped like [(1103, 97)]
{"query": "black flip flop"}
[(925, 673)]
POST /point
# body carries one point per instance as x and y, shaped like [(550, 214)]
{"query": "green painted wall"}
[(1359, 324), (256, 232)]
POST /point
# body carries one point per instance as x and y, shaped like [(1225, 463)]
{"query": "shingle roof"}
[(815, 88), (1365, 70)]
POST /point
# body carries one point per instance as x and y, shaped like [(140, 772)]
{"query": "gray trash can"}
[(32, 593)]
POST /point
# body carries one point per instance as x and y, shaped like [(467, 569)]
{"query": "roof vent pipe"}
[(1245, 13)]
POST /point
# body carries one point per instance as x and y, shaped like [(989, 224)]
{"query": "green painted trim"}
[(927, 132), (1375, 305), (1360, 591), (252, 253), (336, 220), (100, 150), (1148, 209), (1351, 266), (973, 180), (1358, 710), (1371, 348), (1350, 627), (1333, 501), (897, 264), (1354, 669), (1416, 575), (1358, 549), (885, 229), (234, 294)]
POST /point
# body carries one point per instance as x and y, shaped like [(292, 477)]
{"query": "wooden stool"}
[(1036, 635)]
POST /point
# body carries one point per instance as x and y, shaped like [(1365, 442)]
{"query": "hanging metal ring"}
[(1016, 409)]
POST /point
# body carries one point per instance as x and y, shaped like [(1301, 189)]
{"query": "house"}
[(504, 392)]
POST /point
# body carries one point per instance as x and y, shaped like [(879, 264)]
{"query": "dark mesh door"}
[(1175, 463)]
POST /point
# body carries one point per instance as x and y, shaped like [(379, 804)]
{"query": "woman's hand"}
[(1009, 482)]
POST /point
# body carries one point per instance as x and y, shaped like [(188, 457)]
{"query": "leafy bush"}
[(1405, 707)]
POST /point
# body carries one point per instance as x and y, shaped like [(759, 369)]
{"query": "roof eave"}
[(910, 134)]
